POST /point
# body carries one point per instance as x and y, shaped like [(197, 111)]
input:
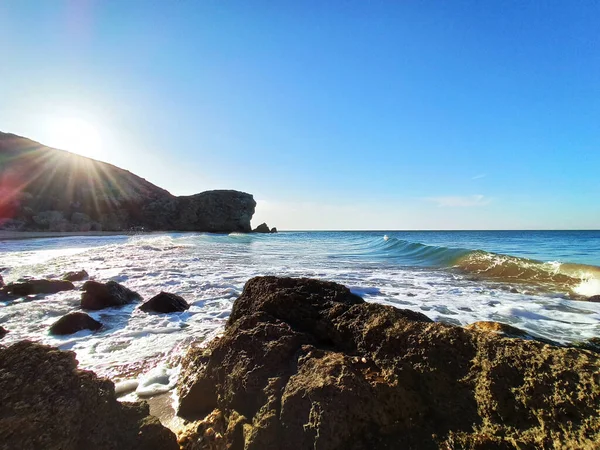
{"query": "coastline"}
[(16, 235)]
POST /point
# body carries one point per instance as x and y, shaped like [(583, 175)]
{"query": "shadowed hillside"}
[(42, 188)]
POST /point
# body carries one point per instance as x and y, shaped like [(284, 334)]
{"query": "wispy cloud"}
[(460, 201), (481, 175)]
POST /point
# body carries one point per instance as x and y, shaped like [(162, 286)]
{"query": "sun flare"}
[(76, 135)]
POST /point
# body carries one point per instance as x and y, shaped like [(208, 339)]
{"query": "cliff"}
[(45, 189)]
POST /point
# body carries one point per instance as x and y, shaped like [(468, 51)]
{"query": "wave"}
[(575, 279)]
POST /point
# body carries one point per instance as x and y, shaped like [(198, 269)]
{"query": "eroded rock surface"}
[(105, 295), (306, 364), (74, 322), (165, 303), (47, 403)]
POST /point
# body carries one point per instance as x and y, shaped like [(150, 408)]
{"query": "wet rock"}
[(273, 230), (105, 295), (47, 403), (74, 322), (76, 276), (594, 298), (1, 281), (262, 228), (34, 287), (165, 302), (309, 363), (3, 332)]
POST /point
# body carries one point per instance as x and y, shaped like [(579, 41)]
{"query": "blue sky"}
[(335, 115)]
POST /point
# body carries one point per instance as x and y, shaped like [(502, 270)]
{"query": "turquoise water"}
[(535, 280)]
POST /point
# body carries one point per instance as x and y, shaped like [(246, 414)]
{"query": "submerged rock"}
[(34, 287), (74, 322), (76, 276), (308, 364), (47, 403), (105, 295), (165, 302)]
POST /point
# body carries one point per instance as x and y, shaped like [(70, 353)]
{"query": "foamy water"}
[(209, 271)]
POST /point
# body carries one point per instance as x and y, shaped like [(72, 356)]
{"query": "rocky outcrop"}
[(264, 228), (35, 287), (76, 276), (165, 303), (74, 322), (45, 189), (594, 299), (307, 364), (106, 295), (47, 403)]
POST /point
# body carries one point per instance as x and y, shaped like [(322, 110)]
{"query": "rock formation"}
[(47, 403), (106, 295), (35, 287), (264, 228), (74, 322), (45, 189), (307, 364), (76, 276), (3, 332), (165, 302)]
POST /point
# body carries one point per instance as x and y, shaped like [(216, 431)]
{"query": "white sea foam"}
[(209, 271)]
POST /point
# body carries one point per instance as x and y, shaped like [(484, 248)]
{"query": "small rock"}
[(262, 228), (105, 295), (3, 332), (76, 276), (594, 299), (273, 230), (165, 302), (1, 281), (34, 287), (74, 322)]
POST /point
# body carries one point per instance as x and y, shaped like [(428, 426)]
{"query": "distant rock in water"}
[(74, 322), (307, 364), (34, 287), (594, 299), (45, 189), (47, 403), (264, 228), (165, 302), (76, 276), (106, 295)]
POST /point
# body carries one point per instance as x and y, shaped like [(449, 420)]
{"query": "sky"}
[(334, 115)]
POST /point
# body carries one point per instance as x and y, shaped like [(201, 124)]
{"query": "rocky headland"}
[(307, 364), (45, 189)]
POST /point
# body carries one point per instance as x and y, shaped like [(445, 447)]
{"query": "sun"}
[(77, 136)]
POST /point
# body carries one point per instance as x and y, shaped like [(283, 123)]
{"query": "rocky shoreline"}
[(307, 363)]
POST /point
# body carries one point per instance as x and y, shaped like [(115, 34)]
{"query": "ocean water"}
[(534, 280)]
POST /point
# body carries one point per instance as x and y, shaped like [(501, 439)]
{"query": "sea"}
[(537, 281)]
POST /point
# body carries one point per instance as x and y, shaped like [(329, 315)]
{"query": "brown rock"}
[(76, 276), (3, 332), (594, 298), (307, 364), (105, 295), (165, 302), (47, 403), (34, 287), (74, 322)]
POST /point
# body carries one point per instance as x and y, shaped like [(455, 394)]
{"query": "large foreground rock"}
[(106, 295), (306, 364), (47, 403)]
